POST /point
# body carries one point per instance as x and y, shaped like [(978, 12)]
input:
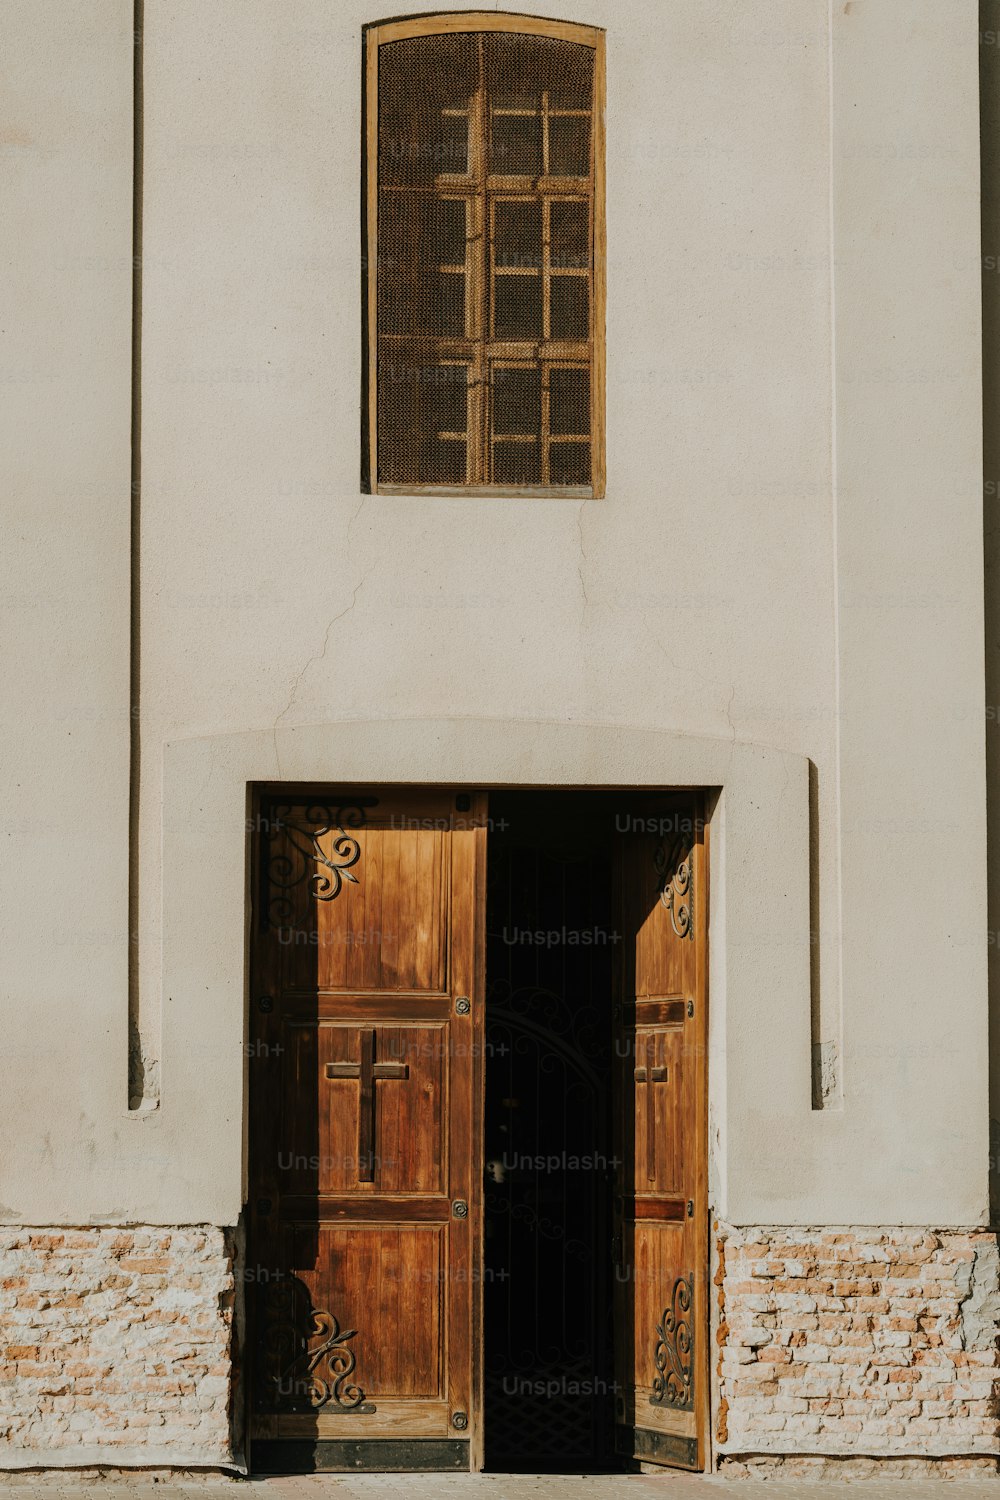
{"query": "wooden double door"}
[(364, 1261)]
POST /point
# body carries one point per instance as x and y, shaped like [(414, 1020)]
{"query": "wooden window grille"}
[(485, 257)]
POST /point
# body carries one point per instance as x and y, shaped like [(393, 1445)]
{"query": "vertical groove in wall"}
[(366, 271), (828, 1018), (989, 92), (136, 1063), (815, 945)]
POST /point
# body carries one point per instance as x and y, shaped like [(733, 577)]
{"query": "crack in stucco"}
[(317, 656), (583, 556), (729, 716), (350, 524), (691, 671)]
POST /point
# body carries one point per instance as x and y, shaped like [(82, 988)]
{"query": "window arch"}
[(485, 256)]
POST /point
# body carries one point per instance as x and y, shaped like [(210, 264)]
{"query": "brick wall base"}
[(848, 1352), (788, 1466), (834, 1344), (46, 1477), (115, 1347)]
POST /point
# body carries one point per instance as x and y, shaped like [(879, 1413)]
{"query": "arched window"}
[(485, 256)]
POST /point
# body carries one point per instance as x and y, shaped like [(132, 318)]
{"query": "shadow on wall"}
[(989, 67)]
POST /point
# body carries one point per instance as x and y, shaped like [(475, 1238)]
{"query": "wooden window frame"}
[(549, 352)]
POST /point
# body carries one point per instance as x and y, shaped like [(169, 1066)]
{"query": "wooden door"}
[(661, 1212), (364, 1057)]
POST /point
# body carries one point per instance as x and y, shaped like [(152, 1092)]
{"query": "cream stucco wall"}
[(66, 156), (789, 558), (289, 598)]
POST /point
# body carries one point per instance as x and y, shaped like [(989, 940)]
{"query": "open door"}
[(364, 1236), (661, 1209)]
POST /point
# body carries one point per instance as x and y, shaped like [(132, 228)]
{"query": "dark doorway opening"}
[(550, 1168)]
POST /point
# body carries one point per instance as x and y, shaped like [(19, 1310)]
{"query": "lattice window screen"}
[(487, 315)]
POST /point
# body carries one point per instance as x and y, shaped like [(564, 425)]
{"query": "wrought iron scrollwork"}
[(675, 868), (306, 1363), (314, 847), (673, 1383)]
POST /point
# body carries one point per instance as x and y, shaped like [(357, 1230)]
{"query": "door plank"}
[(398, 1418)]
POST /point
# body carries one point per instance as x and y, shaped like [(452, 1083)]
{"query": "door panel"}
[(364, 1058), (412, 1150), (661, 1313), (365, 1264)]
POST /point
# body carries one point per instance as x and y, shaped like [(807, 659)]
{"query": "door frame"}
[(761, 933), (256, 793)]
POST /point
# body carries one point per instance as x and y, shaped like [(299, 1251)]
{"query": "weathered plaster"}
[(116, 1347), (847, 1341)]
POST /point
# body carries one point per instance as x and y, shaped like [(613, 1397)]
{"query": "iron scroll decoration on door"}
[(673, 1383), (675, 868), (324, 854), (307, 1364)]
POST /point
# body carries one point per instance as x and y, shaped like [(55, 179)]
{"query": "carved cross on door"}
[(651, 1074), (368, 1072)]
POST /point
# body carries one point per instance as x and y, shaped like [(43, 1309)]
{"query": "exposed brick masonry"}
[(115, 1346), (857, 1341)]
